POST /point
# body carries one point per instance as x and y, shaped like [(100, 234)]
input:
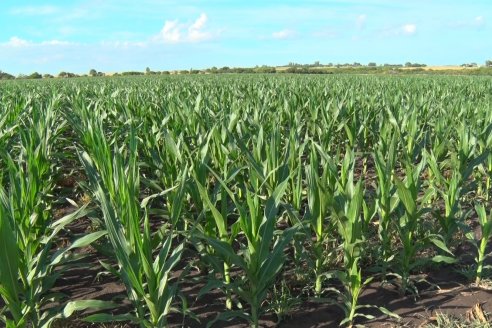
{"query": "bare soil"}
[(445, 291)]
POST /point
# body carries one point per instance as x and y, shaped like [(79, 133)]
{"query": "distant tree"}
[(47, 76), (35, 75), (488, 63), (265, 69), (92, 72), (6, 76), (372, 64), (132, 73), (409, 64), (66, 74)]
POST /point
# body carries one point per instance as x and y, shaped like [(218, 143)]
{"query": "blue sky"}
[(119, 35)]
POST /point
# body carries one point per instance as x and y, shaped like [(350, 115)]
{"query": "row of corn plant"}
[(344, 175), (28, 228), (145, 259)]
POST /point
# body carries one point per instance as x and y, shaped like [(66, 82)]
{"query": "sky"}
[(122, 35)]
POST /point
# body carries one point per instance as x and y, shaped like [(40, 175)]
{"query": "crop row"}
[(259, 184)]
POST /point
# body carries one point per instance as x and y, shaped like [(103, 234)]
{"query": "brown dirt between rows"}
[(455, 296)]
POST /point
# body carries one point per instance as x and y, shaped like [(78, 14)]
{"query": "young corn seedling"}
[(348, 214), (485, 142), (221, 229), (29, 268), (296, 183), (385, 161), (410, 227), (320, 200), (481, 244), (215, 224), (452, 188), (145, 271), (262, 258), (408, 223)]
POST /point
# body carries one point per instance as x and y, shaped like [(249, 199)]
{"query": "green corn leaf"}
[(406, 197), (82, 305)]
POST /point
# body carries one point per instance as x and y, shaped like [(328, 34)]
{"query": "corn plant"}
[(347, 207), (262, 258), (145, 271), (409, 222), (453, 187), (25, 279), (320, 199), (223, 233), (27, 229), (485, 222), (387, 200), (411, 229)]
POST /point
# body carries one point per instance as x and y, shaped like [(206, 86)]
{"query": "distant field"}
[(442, 68)]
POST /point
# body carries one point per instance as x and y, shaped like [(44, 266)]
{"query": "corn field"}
[(267, 192)]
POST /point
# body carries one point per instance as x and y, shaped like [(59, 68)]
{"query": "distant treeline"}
[(291, 68)]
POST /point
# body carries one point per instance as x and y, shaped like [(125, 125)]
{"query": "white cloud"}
[(34, 10), (283, 34), (471, 23), (170, 32), (401, 30), (123, 44), (56, 43), (16, 42), (360, 21), (175, 32), (196, 32), (409, 29), (199, 23), (479, 20)]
